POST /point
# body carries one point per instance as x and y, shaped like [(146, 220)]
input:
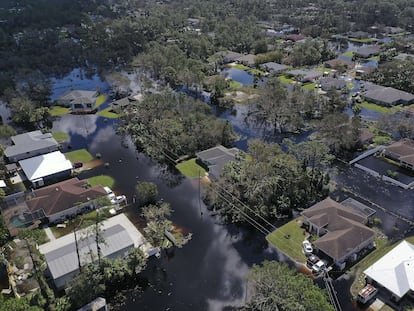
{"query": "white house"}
[(394, 271)]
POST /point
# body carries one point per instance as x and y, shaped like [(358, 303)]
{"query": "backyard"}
[(191, 169), (102, 180), (289, 238), (81, 155)]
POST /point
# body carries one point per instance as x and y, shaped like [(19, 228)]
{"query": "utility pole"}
[(76, 244)]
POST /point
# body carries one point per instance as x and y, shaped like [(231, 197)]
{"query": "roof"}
[(395, 270), (404, 56), (248, 58), (29, 142), (271, 66), (367, 51), (344, 225), (338, 62), (216, 158), (328, 83), (403, 149), (78, 96), (45, 165), (295, 37), (365, 135), (118, 232), (231, 56), (123, 102), (358, 207), (388, 95), (306, 74), (63, 195)]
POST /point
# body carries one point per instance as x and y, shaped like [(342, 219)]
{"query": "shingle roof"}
[(30, 142), (78, 96), (216, 158), (64, 195), (271, 66), (395, 270), (344, 225), (388, 95), (403, 149)]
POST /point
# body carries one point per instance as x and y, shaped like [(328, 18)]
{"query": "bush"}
[(377, 222), (147, 193)]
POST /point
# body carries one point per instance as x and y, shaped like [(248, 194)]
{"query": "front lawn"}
[(288, 239), (60, 136), (240, 67), (58, 111), (309, 86), (348, 54), (285, 79), (100, 100), (379, 108), (191, 169), (108, 113), (81, 155), (234, 85), (103, 180)]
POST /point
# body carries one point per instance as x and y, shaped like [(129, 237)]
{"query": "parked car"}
[(312, 259), (77, 164), (118, 199), (307, 247), (319, 267), (110, 194)]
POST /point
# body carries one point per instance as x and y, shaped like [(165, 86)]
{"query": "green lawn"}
[(291, 246), (87, 220), (363, 40), (309, 86), (240, 67), (381, 109), (191, 169), (100, 100), (60, 136), (234, 85), (103, 180), (285, 79), (350, 85), (58, 111), (374, 58), (81, 155), (108, 113), (348, 54)]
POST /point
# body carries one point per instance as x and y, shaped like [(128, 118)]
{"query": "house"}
[(120, 104), (295, 37), (78, 100), (29, 145), (304, 75), (358, 35), (64, 199), (99, 304), (46, 168), (332, 83), (338, 63), (248, 60), (215, 158), (120, 237), (368, 51), (273, 67), (230, 57), (361, 71), (401, 151), (394, 272), (275, 34), (388, 96), (341, 230), (404, 56)]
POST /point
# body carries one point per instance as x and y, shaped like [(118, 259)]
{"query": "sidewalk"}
[(49, 234)]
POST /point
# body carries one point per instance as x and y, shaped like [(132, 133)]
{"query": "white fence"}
[(398, 183), (367, 154)]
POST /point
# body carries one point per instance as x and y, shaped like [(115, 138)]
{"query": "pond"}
[(209, 272)]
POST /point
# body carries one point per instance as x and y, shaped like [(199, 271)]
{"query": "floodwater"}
[(209, 273)]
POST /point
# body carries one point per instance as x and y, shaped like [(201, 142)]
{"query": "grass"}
[(350, 85), (191, 169), (100, 100), (81, 155), (374, 58), (291, 246), (240, 67), (87, 220), (60, 136), (108, 113), (234, 85), (363, 40), (348, 54), (58, 111), (285, 79), (103, 180), (309, 86), (381, 109)]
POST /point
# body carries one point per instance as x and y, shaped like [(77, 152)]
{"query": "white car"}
[(307, 247), (110, 194), (118, 199), (319, 267)]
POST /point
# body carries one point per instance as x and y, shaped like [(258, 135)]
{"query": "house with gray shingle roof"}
[(341, 230), (273, 67), (304, 75), (29, 145), (78, 100), (388, 96), (215, 158)]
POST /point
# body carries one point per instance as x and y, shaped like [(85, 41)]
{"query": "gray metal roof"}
[(63, 259), (30, 142)]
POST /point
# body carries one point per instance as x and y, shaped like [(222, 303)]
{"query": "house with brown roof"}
[(64, 199), (401, 151), (341, 230), (338, 63), (247, 60)]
